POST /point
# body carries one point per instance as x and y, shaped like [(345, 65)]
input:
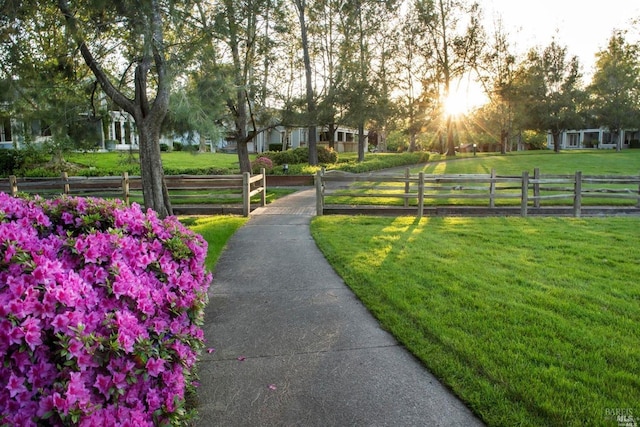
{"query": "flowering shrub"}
[(261, 162), (100, 312)]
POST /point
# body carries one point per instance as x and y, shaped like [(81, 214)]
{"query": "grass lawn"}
[(216, 230), (531, 321), (174, 162), (590, 162)]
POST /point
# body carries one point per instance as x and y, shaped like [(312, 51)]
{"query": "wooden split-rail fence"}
[(500, 192), (234, 188)]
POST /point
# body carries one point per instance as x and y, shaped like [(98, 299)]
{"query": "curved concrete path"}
[(295, 347)]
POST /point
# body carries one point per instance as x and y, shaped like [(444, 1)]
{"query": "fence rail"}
[(506, 190), (235, 188)]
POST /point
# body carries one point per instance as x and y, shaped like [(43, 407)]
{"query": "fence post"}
[(65, 182), (246, 189), (492, 189), (263, 199), (536, 188), (406, 187), (13, 185), (577, 197), (638, 205), (319, 193), (125, 187), (420, 194), (525, 193)]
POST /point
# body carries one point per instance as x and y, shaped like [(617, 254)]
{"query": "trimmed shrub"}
[(261, 162), (10, 161), (275, 147), (301, 155), (327, 155), (100, 312)]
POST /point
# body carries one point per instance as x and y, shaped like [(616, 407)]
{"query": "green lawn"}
[(216, 230), (590, 162), (175, 162), (530, 321)]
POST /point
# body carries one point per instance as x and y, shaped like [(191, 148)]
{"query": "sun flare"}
[(463, 100), (456, 104)]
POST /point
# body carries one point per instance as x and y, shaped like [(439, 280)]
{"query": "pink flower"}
[(32, 332), (16, 385), (103, 384), (155, 366), (97, 283)]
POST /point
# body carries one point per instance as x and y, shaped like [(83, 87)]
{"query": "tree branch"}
[(72, 25)]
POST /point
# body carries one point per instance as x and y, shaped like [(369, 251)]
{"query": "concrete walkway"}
[(295, 347)]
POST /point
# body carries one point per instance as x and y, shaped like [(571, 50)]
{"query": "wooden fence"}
[(499, 191), (235, 188)]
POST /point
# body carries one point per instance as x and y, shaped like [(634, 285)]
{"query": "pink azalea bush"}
[(100, 312)]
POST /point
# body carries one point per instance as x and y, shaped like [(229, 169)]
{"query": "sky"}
[(584, 27)]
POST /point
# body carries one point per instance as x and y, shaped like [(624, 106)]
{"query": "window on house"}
[(117, 131), (5, 130), (573, 139), (340, 136)]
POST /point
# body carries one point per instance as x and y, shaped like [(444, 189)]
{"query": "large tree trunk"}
[(154, 188), (504, 137), (412, 142), (241, 119), (332, 136), (311, 104), (361, 142), (451, 146), (147, 114), (243, 156), (556, 141)]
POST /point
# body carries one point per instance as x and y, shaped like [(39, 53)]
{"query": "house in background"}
[(595, 138), (345, 139), (119, 134)]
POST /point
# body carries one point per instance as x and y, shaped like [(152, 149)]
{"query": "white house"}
[(346, 139), (593, 138)]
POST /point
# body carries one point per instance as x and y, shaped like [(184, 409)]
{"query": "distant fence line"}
[(531, 191), (235, 188)]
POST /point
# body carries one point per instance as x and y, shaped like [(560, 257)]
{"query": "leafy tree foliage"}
[(45, 85), (131, 48), (549, 92), (615, 88), (454, 41)]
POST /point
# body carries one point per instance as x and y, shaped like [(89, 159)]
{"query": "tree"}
[(45, 84), (454, 39), (246, 32), (411, 64), (301, 9), (356, 89), (330, 109), (615, 87), (497, 76), (140, 29), (548, 90), (197, 107)]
